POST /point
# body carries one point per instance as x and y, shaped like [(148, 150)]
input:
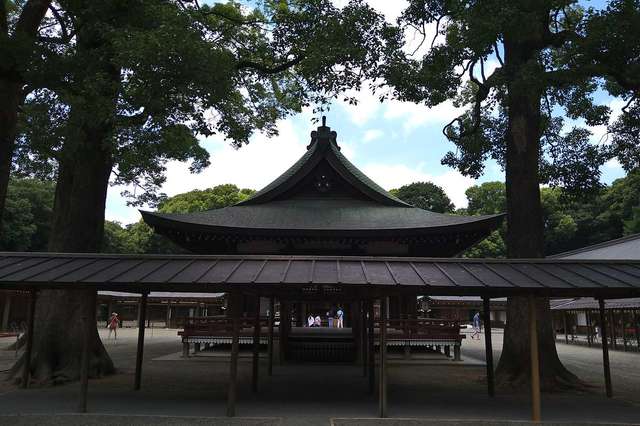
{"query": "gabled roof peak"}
[(323, 135)]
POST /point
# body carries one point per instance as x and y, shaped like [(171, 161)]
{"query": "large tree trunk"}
[(9, 102), (11, 83), (525, 232), (78, 225)]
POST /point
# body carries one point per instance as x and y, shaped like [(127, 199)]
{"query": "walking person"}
[(112, 325), (330, 318), (340, 316), (476, 326), (317, 322), (310, 321)]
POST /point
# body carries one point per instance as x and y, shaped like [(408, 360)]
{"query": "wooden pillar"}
[(535, 363), (612, 316), (140, 352), (487, 344), (624, 334), (168, 321), (636, 328), (88, 325), (283, 328), (590, 339), (26, 373), (235, 301), (605, 350), (372, 355), (566, 330), (6, 311), (364, 344), (382, 394), (270, 341), (256, 347)]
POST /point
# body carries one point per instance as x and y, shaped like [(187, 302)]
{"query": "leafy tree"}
[(18, 37), (140, 238), (27, 219), (425, 195), (125, 87), (550, 56)]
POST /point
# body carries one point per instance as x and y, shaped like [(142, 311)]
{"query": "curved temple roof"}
[(323, 195)]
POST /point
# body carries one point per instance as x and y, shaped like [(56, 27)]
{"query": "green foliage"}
[(560, 53), (425, 195), (208, 199), (140, 238), (26, 220), (147, 78), (569, 222)]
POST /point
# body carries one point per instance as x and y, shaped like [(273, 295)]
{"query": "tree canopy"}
[(425, 195)]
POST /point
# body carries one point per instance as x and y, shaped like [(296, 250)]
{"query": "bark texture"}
[(77, 227), (525, 233)]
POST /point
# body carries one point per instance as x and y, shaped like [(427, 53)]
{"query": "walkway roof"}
[(274, 274), (590, 303)]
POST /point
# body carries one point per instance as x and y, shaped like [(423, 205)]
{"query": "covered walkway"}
[(362, 279)]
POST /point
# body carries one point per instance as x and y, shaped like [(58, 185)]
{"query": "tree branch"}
[(264, 69)]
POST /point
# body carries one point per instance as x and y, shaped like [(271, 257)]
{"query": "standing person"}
[(476, 326), (114, 321), (310, 321), (317, 321), (340, 315), (330, 318)]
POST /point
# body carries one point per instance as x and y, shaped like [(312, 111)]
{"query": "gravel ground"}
[(314, 394)]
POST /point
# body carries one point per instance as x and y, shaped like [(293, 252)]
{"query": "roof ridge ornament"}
[(323, 135)]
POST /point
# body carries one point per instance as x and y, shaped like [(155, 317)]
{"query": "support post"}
[(566, 330), (270, 341), (612, 316), (142, 317), (636, 328), (624, 335), (372, 355), (535, 363), (6, 311), (256, 347), (487, 344), (382, 394), (364, 334), (590, 339), (605, 349), (26, 373), (88, 325), (235, 346)]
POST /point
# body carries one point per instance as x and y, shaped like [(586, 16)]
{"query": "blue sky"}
[(394, 142)]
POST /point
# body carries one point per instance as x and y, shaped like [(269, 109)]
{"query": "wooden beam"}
[(142, 320), (272, 314), (88, 326), (382, 394), (535, 363), (26, 372), (486, 304), (256, 347), (235, 300), (605, 349)]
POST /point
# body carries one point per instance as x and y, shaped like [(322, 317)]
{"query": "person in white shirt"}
[(310, 321), (318, 321), (340, 316)]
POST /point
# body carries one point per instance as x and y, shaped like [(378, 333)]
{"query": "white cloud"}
[(371, 135), (391, 176), (365, 109), (416, 115)]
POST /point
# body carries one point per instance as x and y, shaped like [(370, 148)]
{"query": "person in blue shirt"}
[(476, 326)]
